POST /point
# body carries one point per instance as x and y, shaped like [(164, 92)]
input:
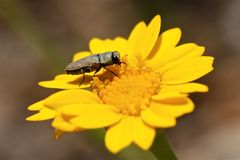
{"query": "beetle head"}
[(116, 57)]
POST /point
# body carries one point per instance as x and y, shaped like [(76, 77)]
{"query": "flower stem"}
[(161, 148)]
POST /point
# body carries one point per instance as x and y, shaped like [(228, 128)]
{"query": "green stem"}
[(161, 148)]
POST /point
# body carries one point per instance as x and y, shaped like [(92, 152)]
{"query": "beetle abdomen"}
[(74, 72), (93, 62)]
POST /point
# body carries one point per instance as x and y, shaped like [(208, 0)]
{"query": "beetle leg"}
[(98, 69), (111, 71), (123, 63), (82, 79)]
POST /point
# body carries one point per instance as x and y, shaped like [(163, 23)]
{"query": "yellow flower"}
[(150, 92)]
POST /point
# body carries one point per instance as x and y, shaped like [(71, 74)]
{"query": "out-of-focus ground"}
[(38, 38)]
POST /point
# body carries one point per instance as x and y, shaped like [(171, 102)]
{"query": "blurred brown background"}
[(38, 39)]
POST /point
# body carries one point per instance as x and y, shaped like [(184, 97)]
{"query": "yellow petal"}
[(184, 51), (143, 134), (100, 46), (67, 97), (62, 123), (92, 116), (167, 41), (72, 78), (172, 109), (197, 52), (82, 109), (36, 106), (121, 44), (67, 77), (64, 81), (81, 55), (154, 120), (43, 114), (97, 45), (184, 88), (174, 95), (119, 135), (150, 37), (187, 71), (134, 41), (61, 85)]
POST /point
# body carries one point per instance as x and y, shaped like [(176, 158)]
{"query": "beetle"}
[(94, 62)]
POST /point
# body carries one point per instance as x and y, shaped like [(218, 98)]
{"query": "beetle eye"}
[(115, 57)]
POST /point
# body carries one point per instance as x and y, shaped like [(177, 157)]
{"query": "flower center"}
[(131, 91)]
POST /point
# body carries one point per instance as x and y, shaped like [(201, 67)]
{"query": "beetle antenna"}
[(98, 69)]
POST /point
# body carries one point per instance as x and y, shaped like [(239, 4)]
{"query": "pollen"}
[(130, 91)]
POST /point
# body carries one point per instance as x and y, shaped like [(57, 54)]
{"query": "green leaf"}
[(161, 148)]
